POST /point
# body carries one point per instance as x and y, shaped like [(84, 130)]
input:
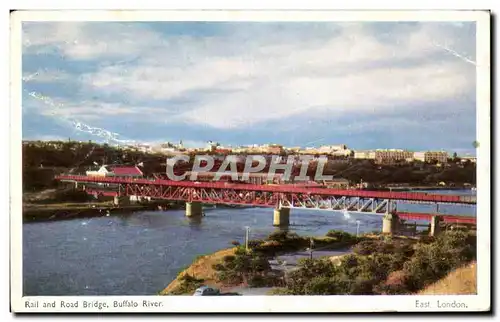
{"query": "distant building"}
[(222, 150), (368, 155), (294, 149), (337, 183), (144, 148), (436, 156), (211, 146), (126, 171), (275, 149), (392, 156), (419, 156), (338, 150), (468, 158), (102, 172), (253, 178), (117, 171)]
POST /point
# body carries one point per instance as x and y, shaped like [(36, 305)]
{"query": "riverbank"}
[(276, 255), (71, 210), (200, 269), (389, 266)]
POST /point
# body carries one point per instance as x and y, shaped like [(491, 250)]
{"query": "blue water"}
[(141, 253)]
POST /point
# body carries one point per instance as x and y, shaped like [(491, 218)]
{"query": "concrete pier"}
[(121, 200), (194, 209), (281, 217), (390, 224), (435, 225)]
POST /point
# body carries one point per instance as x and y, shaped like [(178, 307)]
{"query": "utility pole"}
[(246, 237), (311, 245), (357, 228)]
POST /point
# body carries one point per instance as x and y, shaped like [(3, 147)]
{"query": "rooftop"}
[(126, 170)]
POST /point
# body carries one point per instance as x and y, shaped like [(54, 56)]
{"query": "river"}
[(142, 252)]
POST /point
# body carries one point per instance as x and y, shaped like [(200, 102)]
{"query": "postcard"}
[(250, 161)]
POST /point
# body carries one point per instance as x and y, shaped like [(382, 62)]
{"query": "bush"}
[(263, 281), (219, 267), (280, 291), (254, 243), (229, 277), (322, 285), (240, 251), (260, 264), (242, 266), (187, 284), (340, 235), (391, 266), (278, 236), (366, 247), (362, 286), (433, 261), (395, 284)]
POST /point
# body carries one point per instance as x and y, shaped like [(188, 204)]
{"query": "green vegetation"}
[(249, 268), (392, 266), (252, 267), (57, 197), (415, 173), (42, 160), (188, 284)]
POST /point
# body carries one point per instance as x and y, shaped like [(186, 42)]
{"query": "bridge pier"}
[(281, 217), (121, 200), (194, 209), (435, 225), (390, 223)]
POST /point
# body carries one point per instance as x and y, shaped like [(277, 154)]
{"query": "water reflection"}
[(195, 222)]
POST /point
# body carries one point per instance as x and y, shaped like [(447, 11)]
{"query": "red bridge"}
[(276, 196)]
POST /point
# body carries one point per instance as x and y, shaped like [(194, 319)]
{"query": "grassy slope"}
[(202, 269), (461, 281)]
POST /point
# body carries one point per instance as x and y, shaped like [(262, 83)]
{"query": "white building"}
[(419, 156), (368, 155), (344, 153), (102, 172), (211, 146), (468, 158)]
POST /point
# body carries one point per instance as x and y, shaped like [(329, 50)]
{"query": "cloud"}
[(91, 110), (87, 40), (349, 72), (246, 75), (46, 76)]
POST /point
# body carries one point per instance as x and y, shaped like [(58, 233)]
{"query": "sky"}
[(369, 85)]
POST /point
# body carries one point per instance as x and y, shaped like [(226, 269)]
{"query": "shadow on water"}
[(195, 223)]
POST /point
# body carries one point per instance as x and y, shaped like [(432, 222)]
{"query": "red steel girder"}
[(283, 188)]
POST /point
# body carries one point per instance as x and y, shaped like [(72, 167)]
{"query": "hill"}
[(462, 281), (201, 269)]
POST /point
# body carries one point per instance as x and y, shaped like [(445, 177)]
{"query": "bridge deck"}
[(282, 188)]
